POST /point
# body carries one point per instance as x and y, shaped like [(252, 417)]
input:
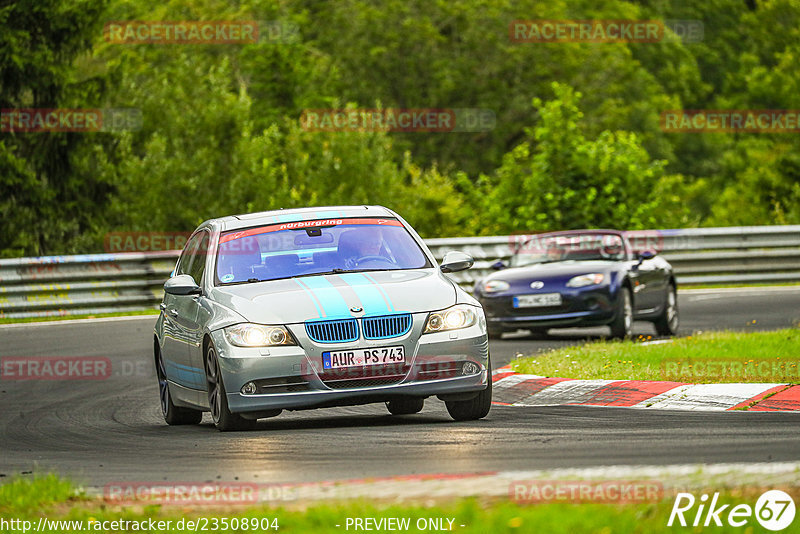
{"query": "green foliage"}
[(221, 134), (559, 179), (28, 496), (45, 204)]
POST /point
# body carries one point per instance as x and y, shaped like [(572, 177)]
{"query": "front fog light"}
[(249, 388), (470, 368)]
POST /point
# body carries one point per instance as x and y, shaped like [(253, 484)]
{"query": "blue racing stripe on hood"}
[(332, 301), (382, 291), (368, 292), (311, 296)]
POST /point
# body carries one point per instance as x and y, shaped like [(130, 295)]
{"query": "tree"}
[(559, 179), (45, 205)]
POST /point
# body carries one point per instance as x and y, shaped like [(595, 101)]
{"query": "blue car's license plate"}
[(360, 357), (537, 301)]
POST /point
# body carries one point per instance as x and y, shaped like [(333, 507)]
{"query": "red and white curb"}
[(513, 389)]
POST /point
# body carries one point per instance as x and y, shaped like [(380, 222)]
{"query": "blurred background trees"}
[(577, 141)]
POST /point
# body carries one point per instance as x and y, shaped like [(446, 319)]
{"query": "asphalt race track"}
[(111, 430)]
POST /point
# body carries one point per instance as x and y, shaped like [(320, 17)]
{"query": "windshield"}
[(548, 248), (306, 248)]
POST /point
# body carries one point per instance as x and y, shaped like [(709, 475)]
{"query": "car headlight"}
[(586, 280), (258, 335), (453, 318), (495, 286)]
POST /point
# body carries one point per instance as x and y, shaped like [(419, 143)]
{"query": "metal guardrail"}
[(102, 283)]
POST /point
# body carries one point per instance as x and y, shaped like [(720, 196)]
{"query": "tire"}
[(173, 415), (667, 323), (475, 408), (224, 420), (622, 326), (405, 406)]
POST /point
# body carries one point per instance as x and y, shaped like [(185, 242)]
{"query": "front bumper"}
[(292, 377), (579, 307)]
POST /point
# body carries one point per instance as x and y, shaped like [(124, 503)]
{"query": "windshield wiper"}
[(342, 271), (321, 273)]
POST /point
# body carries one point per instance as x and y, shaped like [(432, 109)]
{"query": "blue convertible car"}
[(579, 278)]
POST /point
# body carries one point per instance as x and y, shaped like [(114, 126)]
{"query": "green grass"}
[(735, 357), (8, 320), (26, 496), (55, 499)]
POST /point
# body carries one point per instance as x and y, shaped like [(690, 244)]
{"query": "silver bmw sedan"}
[(312, 308)]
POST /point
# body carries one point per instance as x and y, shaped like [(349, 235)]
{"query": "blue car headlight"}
[(453, 318), (584, 280), (495, 286), (258, 335)]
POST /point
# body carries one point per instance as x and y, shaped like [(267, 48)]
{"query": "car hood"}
[(559, 270), (333, 296)]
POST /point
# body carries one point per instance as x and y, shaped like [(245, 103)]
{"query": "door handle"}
[(173, 312)]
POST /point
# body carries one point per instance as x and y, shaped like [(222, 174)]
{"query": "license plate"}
[(360, 357), (537, 301)]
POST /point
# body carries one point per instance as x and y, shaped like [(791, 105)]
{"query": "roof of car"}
[(301, 214)]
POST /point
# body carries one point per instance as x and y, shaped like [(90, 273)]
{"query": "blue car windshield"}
[(306, 248), (549, 248)]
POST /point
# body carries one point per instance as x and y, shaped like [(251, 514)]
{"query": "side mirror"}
[(499, 265), (455, 261), (646, 255), (183, 284)]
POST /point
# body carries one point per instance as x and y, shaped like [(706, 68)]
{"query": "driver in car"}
[(362, 244), (612, 248)]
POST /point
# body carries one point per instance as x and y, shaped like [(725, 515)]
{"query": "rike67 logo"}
[(774, 510)]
